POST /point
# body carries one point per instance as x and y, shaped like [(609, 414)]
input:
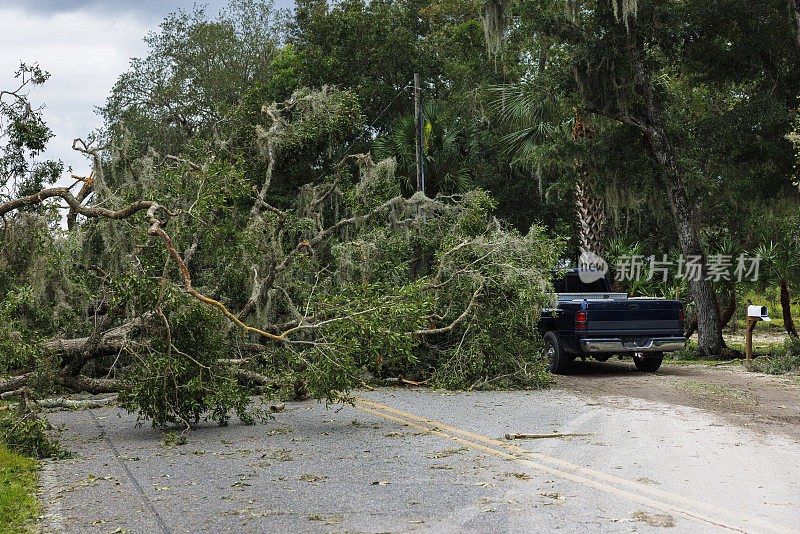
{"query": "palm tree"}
[(781, 263), (618, 247), (444, 160), (727, 248), (536, 120)]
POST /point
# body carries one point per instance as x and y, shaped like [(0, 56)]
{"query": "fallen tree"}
[(186, 303)]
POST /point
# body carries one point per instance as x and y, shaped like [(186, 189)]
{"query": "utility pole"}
[(418, 124)]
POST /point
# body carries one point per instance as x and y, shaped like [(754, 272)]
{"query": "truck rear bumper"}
[(657, 344)]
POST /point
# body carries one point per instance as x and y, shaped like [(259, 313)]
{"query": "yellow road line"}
[(588, 471), (514, 453)]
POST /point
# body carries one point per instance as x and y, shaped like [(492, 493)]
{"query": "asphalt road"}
[(430, 461)]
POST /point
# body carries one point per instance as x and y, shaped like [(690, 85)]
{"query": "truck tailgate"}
[(633, 317)]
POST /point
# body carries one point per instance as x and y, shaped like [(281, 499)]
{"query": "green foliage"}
[(377, 64), (687, 353), (19, 506), (790, 355), (726, 112), (195, 72), (179, 378), (445, 266), (780, 260), (781, 360), (28, 435), (24, 136), (18, 353), (500, 346), (500, 350), (445, 145), (372, 328)]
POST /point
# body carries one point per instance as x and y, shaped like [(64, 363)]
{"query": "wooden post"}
[(751, 324), (418, 129)]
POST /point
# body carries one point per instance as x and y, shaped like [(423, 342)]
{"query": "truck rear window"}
[(571, 283)]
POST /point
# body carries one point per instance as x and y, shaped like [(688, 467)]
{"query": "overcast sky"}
[(85, 45)]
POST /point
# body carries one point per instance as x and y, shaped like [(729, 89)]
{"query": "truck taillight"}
[(580, 320)]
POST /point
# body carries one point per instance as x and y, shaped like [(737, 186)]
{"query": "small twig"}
[(195, 166), (735, 360)]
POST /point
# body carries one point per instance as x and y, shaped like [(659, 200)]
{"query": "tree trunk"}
[(795, 9), (729, 310), (91, 385), (591, 217), (540, 180), (14, 383), (786, 308), (102, 341), (725, 316), (709, 342)]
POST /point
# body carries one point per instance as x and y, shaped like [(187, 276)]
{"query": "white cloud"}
[(85, 45), (84, 52)]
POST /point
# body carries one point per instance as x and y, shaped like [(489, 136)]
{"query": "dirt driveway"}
[(763, 403)]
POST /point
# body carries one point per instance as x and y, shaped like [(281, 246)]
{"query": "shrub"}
[(28, 435), (178, 379), (785, 359)]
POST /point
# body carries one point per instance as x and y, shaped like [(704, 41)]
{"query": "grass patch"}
[(19, 506), (687, 353)]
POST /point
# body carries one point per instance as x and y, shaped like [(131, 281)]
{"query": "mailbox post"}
[(754, 314)]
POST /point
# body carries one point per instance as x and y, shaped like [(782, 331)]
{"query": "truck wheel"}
[(649, 364), (558, 360)]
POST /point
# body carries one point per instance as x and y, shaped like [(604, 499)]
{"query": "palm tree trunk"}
[(786, 308), (591, 217)]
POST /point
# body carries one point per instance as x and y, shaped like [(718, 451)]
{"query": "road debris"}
[(543, 436), (654, 520)]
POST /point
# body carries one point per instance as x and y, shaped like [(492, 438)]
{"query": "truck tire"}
[(557, 359), (649, 364)]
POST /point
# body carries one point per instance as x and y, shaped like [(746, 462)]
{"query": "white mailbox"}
[(758, 312)]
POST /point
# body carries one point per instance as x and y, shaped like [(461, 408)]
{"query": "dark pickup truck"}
[(591, 320)]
